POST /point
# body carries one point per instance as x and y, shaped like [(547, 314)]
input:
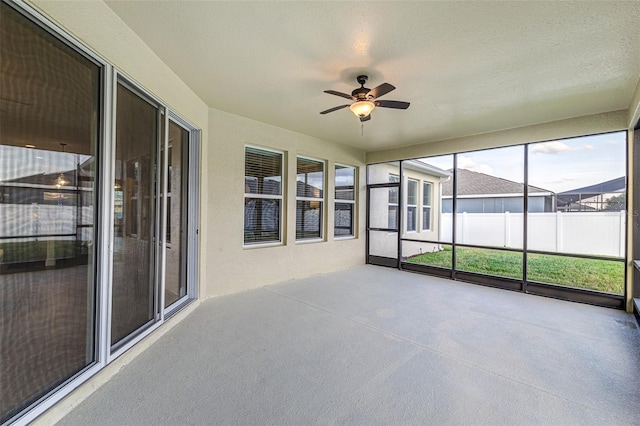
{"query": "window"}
[(426, 206), (262, 196), (345, 201), (393, 203), (309, 198), (412, 205)]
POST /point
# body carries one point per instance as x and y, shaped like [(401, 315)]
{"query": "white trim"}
[(262, 245), (341, 201), (323, 210), (310, 240)]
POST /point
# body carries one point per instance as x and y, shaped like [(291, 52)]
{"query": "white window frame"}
[(412, 206), (341, 201), (280, 197), (426, 205), (318, 199), (393, 179)]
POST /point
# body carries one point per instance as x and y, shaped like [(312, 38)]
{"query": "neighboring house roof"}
[(610, 186), (476, 183)]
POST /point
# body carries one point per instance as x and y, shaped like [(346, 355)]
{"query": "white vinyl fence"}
[(594, 233), (24, 221)]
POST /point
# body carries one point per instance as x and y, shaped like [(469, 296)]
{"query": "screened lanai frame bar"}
[(574, 294), (110, 76)]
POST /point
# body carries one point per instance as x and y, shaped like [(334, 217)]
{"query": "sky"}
[(558, 166)]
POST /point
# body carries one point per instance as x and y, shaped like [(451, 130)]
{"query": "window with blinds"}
[(345, 201), (426, 206), (309, 198), (393, 203), (412, 205), (263, 200)]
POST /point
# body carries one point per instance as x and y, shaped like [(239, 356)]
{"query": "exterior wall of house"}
[(386, 243), (102, 31), (232, 267)]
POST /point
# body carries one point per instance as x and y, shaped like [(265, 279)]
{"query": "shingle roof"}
[(476, 183)]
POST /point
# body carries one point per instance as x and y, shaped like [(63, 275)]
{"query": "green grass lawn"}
[(601, 275)]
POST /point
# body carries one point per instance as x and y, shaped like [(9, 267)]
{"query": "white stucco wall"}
[(232, 267), (225, 266)]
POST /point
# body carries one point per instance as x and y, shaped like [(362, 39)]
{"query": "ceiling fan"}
[(366, 99)]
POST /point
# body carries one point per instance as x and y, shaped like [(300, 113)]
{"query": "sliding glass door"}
[(177, 162), (134, 290), (49, 131)]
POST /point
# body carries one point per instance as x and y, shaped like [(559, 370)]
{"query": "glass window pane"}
[(133, 254), (262, 215), (310, 178), (263, 172), (412, 218), (344, 183), (412, 192), (308, 220), (343, 220), (261, 220), (50, 98)]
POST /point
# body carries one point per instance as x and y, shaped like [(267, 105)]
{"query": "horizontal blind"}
[(262, 172), (263, 196)]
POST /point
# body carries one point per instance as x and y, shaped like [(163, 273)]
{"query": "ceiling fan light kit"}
[(365, 99), (362, 108)]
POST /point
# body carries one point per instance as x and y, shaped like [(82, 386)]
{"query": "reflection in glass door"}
[(176, 214), (49, 100), (134, 293)]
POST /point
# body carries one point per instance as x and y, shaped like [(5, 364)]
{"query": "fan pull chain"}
[(361, 129)]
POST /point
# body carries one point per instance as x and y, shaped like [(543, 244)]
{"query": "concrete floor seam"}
[(422, 346)]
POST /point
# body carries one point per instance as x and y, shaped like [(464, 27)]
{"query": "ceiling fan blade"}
[(343, 95), (334, 109), (393, 104), (367, 118), (381, 90)]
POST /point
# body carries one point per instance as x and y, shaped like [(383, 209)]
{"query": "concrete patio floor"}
[(373, 345)]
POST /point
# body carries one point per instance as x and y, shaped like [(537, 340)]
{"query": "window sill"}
[(310, 241), (346, 237), (263, 245)]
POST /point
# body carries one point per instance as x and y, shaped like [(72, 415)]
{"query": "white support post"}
[(507, 229), (463, 225), (558, 231), (623, 230)]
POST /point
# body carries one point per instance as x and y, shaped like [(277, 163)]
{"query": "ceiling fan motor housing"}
[(361, 92)]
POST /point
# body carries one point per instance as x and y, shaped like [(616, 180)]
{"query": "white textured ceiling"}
[(466, 67)]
